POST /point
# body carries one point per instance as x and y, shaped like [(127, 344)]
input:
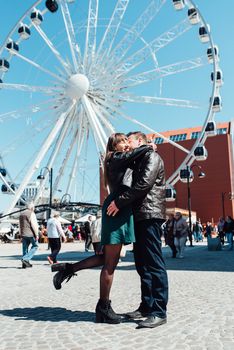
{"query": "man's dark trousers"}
[(150, 266), (55, 246)]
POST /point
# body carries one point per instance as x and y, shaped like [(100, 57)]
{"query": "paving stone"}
[(34, 316)]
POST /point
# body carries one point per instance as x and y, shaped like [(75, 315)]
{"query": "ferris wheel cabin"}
[(193, 16), (217, 104), (4, 65), (219, 77), (186, 175), (203, 34), (36, 17), (3, 172), (24, 31), (211, 54), (52, 5), (200, 153), (5, 189), (178, 4), (170, 194), (211, 129), (12, 47)]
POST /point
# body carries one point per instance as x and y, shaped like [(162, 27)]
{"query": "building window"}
[(179, 137), (221, 131), (195, 134), (158, 140)]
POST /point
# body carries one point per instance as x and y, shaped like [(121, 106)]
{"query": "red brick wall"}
[(206, 193)]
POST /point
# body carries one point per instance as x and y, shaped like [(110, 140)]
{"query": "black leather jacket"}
[(147, 194), (118, 164)]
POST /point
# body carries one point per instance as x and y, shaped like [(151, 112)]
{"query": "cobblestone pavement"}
[(33, 315)]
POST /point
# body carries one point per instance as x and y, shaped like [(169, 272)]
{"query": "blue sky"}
[(195, 87)]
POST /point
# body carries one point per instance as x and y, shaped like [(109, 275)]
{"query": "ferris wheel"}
[(73, 72)]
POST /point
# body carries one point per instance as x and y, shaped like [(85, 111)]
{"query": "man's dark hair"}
[(137, 135)]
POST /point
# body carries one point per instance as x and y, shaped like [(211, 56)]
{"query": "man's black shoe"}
[(25, 264), (152, 322), (134, 315)]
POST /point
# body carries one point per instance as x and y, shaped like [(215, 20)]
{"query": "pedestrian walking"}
[(180, 233), (147, 197), (87, 229), (96, 233), (29, 233), (169, 237), (228, 228), (55, 235), (208, 229), (220, 226), (115, 232), (197, 231)]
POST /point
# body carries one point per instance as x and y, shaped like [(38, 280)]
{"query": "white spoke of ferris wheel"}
[(74, 48), (94, 122), (135, 121), (163, 71), (100, 155), (90, 42), (40, 67), (112, 29), (80, 141), (34, 108), (30, 88), (138, 27), (64, 64), (64, 162), (100, 111), (155, 45), (64, 131), (3, 166), (159, 101), (37, 161)]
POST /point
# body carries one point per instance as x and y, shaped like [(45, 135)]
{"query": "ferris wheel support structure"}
[(110, 72)]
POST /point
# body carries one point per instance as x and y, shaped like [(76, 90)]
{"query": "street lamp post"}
[(223, 204), (188, 175), (189, 207), (42, 177)]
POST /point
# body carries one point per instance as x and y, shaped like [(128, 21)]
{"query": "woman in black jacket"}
[(116, 231)]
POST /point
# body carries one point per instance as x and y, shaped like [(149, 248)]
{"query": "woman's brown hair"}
[(112, 142)]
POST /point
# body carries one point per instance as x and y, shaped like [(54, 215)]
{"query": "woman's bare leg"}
[(111, 258)]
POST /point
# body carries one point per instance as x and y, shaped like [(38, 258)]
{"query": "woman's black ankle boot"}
[(61, 267), (105, 313), (63, 274)]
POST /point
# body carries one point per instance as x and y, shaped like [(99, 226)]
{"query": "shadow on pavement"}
[(52, 314), (196, 258)]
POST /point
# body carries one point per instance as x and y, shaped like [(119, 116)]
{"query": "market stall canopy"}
[(85, 218)]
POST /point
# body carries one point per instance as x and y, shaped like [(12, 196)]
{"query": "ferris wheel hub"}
[(77, 86)]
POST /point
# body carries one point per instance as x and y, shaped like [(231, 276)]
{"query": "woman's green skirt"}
[(118, 229)]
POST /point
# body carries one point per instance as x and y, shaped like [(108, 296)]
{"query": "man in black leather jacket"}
[(147, 195)]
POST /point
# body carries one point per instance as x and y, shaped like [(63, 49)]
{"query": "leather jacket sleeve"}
[(146, 179), (125, 159), (118, 164)]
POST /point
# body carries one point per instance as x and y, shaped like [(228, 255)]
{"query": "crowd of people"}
[(54, 233), (176, 232), (133, 212)]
